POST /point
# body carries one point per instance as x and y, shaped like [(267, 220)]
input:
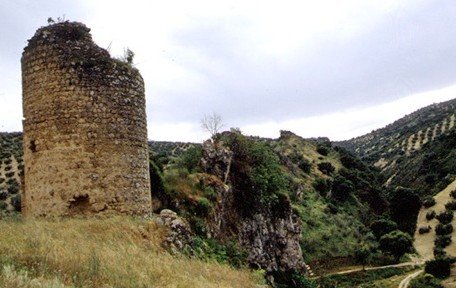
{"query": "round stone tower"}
[(85, 135)]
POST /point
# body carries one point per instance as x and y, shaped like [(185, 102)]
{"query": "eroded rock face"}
[(270, 237), (273, 242), (216, 159)]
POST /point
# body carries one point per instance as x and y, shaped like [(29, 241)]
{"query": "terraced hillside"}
[(11, 169), (417, 151), (383, 147)]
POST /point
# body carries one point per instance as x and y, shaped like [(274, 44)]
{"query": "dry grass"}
[(424, 243), (115, 252)]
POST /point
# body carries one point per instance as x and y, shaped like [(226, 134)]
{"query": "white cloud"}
[(352, 122)]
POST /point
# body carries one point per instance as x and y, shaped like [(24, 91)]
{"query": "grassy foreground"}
[(115, 252)]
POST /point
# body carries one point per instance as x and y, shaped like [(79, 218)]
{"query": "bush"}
[(204, 206), (342, 188), (453, 194), (157, 185), (322, 150), (13, 189), (440, 267), (442, 241), (209, 249), (322, 186), (16, 203), (331, 208), (439, 252), (429, 202), (396, 243), (451, 205), (326, 168), (300, 161), (425, 281), (259, 178), (424, 230), (430, 215), (445, 217), (363, 255), (284, 279), (210, 193), (3, 195), (443, 229), (382, 226), (305, 165), (190, 158)]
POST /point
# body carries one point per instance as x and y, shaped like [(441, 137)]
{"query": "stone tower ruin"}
[(85, 135)]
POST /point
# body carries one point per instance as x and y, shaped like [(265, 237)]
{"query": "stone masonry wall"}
[(85, 134)]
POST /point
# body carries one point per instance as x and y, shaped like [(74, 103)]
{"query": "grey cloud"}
[(408, 52)]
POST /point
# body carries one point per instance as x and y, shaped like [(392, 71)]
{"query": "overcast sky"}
[(318, 68)]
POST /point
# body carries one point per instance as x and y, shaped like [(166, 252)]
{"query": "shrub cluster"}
[(430, 215), (322, 150), (424, 230), (342, 188), (440, 267), (322, 186), (451, 205), (326, 168), (425, 281), (429, 202), (442, 241), (453, 194), (445, 217), (443, 229)]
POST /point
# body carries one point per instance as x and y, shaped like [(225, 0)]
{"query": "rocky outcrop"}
[(270, 235), (273, 242), (216, 159), (179, 234)]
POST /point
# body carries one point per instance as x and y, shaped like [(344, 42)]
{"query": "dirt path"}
[(405, 283), (424, 243), (405, 264)]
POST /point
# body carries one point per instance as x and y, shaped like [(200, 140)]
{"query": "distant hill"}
[(170, 149), (401, 148), (11, 168)]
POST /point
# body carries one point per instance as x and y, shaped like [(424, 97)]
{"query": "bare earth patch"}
[(424, 243)]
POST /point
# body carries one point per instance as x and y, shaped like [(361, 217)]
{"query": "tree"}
[(212, 124), (405, 205), (440, 267), (396, 243), (363, 255), (382, 226), (342, 188)]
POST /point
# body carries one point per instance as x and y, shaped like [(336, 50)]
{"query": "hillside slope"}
[(253, 191), (383, 146), (115, 252), (416, 151)]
